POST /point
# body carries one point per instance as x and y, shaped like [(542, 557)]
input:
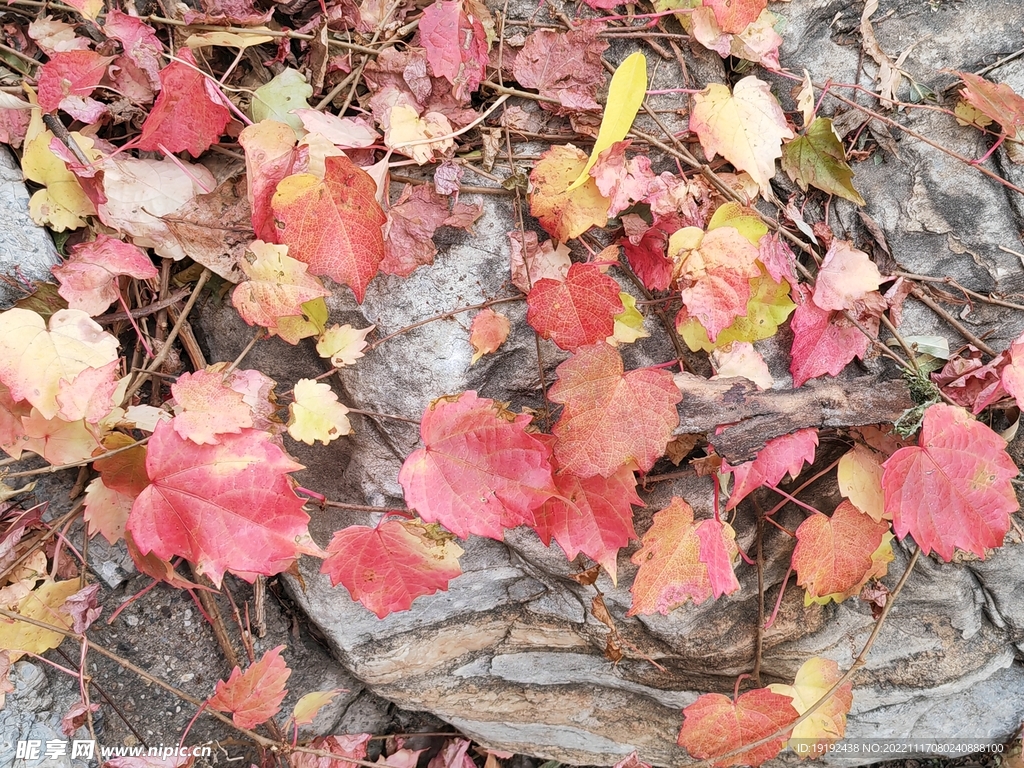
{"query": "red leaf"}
[(717, 552), (411, 223), (488, 332), (997, 101), (847, 275), (673, 561), (388, 566), (823, 341), (733, 16), (565, 66), (224, 507), (646, 252), (577, 311), (189, 114), (333, 224), (88, 279), (478, 471), (611, 419), (269, 157), (208, 407), (715, 724), (347, 745), (591, 515), (138, 69), (968, 382), (66, 81), (953, 488), (833, 554), (779, 456), (456, 45), (254, 697)]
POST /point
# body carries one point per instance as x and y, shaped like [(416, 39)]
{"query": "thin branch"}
[(928, 301)]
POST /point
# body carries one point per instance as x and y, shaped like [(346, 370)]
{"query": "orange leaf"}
[(255, 696), (672, 560), (488, 332), (333, 224), (565, 214), (715, 724), (611, 419), (833, 554)]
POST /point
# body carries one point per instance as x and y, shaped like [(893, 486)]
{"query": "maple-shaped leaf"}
[(412, 221), (859, 475), (88, 279), (62, 203), (646, 251), (757, 42), (386, 567), (343, 344), (733, 16), (833, 554), (786, 454), (456, 45), (136, 195), (818, 158), (564, 66), (1013, 374), (34, 359), (224, 507), (592, 515), (333, 224), (106, 510), (824, 341), (826, 724), (67, 79), (531, 261), (611, 418), (565, 214), (316, 413), (90, 395), (717, 267), (718, 552), (715, 724), (207, 407), (255, 696), (479, 471), (846, 276), (137, 73), (488, 332), (953, 489), (746, 126), (277, 287), (997, 101), (577, 311), (44, 603), (269, 157), (58, 441), (188, 115), (672, 570)]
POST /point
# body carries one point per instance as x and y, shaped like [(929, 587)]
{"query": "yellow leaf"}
[(43, 604), (293, 328), (742, 219), (625, 95), (343, 344), (746, 126), (413, 136), (629, 323), (33, 360), (767, 309), (316, 413), (241, 40), (62, 204), (860, 480), (828, 723), (309, 705)]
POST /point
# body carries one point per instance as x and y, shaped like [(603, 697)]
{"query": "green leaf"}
[(767, 309), (817, 158), (625, 95), (275, 100)]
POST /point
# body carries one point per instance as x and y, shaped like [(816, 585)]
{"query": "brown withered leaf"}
[(215, 229)]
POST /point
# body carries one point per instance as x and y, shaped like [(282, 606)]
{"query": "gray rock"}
[(26, 250), (32, 713)]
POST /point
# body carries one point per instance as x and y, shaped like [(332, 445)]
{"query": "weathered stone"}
[(26, 250)]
